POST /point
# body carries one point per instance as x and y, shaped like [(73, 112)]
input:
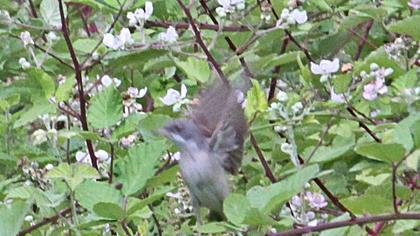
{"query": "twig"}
[(358, 221), (78, 74), (45, 221), (111, 169), (155, 219), (203, 46), (364, 126), (230, 43), (276, 71), (363, 40), (321, 140), (266, 167)]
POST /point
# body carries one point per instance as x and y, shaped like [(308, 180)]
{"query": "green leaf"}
[(153, 122), (139, 166), (64, 91), (273, 196), (34, 112), (214, 227), (256, 100), (85, 45), (12, 216), (106, 108), (73, 174), (128, 126), (92, 192), (400, 133), (50, 12), (41, 85), (256, 218), (339, 147), (364, 204), (407, 26), (388, 152), (109, 210), (412, 160), (195, 69), (322, 5), (235, 207), (341, 83), (138, 204)]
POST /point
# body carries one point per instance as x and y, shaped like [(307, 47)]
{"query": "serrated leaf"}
[(214, 227), (12, 217), (50, 12), (85, 45), (340, 146), (256, 100), (388, 152), (407, 26), (235, 207), (34, 112), (363, 204), (106, 108), (73, 174), (273, 196), (195, 69), (92, 192), (128, 126), (109, 210), (64, 91), (140, 165), (413, 159), (156, 195), (41, 85)]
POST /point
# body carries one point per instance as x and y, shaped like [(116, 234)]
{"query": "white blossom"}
[(26, 38), (49, 166), (293, 17), (282, 96), (316, 200), (286, 148), (39, 136), (325, 67), (140, 14), (176, 156), (83, 157), (297, 107), (103, 156), (339, 98), (373, 89), (414, 4), (136, 93), (298, 16), (24, 63), (229, 6), (106, 81), (174, 97), (128, 141), (29, 218), (170, 36), (120, 41), (52, 36)]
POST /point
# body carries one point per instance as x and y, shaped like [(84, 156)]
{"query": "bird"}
[(211, 142)]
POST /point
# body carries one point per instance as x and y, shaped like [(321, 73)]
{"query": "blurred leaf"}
[(195, 69), (34, 113), (109, 210), (214, 227), (139, 166), (273, 196), (150, 125), (413, 159), (106, 108), (91, 192), (235, 207), (64, 91), (407, 26), (363, 204), (389, 152), (256, 100), (128, 126), (156, 195), (41, 86), (73, 174), (50, 12), (12, 216), (337, 149), (85, 45)]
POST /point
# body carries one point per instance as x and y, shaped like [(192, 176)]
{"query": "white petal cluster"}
[(229, 6), (120, 41), (325, 67), (140, 15), (291, 17), (24, 63), (107, 81), (169, 36), (130, 103), (26, 38), (175, 98), (376, 87)]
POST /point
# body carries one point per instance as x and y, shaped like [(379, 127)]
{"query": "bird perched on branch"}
[(211, 140)]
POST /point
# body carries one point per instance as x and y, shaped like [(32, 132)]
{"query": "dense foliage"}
[(333, 110)]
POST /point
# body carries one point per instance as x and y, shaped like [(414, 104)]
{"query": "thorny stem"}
[(339, 224), (203, 46), (78, 74), (45, 221)]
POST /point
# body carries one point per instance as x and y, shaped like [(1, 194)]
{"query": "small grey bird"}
[(211, 142)]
